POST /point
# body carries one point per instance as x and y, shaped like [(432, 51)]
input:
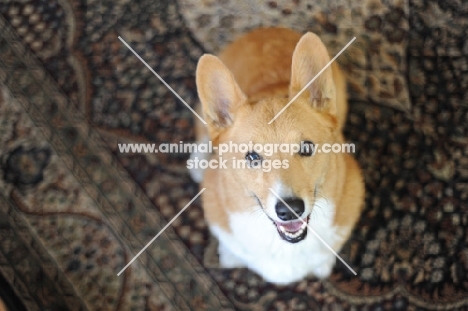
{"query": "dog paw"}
[(324, 269), (228, 260)]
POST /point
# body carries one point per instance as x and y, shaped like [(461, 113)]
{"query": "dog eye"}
[(253, 159), (307, 148)]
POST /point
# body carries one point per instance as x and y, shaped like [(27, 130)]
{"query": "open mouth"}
[(292, 231)]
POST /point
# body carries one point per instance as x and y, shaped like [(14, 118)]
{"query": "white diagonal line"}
[(162, 230), (167, 85), (311, 81), (315, 233)]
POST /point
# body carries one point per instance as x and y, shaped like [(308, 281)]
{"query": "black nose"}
[(284, 213)]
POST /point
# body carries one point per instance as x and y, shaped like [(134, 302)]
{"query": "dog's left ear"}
[(309, 58), (218, 91)]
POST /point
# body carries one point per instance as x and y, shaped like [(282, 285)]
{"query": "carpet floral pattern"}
[(74, 211)]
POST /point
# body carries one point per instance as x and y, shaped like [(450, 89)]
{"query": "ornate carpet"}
[(74, 211)]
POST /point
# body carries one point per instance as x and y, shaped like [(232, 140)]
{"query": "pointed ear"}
[(309, 58), (218, 91)]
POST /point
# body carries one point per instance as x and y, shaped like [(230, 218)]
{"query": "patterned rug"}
[(74, 211)]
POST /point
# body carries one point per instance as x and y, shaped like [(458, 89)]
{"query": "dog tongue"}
[(291, 226)]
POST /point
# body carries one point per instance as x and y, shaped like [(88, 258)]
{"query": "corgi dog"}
[(263, 218)]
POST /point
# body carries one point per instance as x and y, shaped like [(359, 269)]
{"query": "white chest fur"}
[(255, 243)]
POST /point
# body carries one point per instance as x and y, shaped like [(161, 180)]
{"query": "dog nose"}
[(283, 211)]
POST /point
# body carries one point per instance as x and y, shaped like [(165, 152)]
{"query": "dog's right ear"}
[(218, 91)]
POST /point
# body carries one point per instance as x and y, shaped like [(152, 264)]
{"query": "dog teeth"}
[(295, 234)]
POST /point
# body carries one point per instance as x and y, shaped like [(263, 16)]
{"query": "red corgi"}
[(262, 218)]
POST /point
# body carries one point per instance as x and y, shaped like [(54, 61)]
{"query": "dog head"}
[(283, 184)]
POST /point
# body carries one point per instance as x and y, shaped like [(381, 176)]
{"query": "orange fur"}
[(242, 90)]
